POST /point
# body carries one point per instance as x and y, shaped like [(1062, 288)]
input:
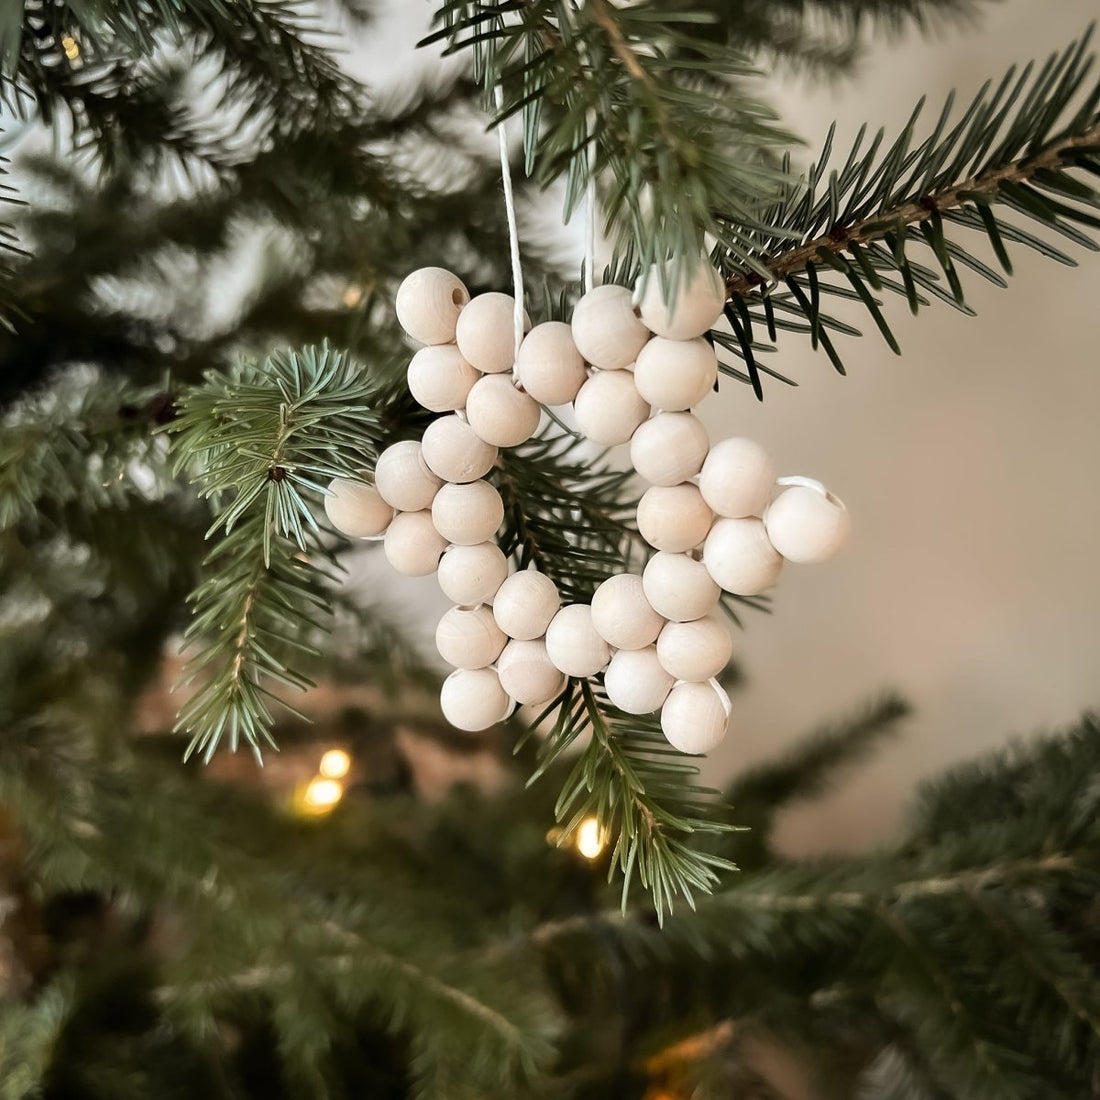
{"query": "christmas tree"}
[(206, 386)]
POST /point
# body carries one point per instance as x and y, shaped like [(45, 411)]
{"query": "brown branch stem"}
[(838, 238)]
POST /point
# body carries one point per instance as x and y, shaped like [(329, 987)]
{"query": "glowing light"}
[(322, 795), (335, 764), (71, 47), (590, 838), (352, 296)]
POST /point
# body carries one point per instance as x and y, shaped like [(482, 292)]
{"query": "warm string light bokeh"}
[(590, 839), (324, 791)]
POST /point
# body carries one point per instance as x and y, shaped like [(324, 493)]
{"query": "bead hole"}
[(459, 297)]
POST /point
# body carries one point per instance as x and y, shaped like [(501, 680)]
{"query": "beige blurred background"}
[(970, 466)]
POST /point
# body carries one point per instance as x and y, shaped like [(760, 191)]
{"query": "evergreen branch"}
[(29, 1036), (358, 940), (83, 443), (828, 37), (679, 133), (97, 59), (569, 518), (852, 236), (979, 190), (263, 443), (9, 249), (640, 791)]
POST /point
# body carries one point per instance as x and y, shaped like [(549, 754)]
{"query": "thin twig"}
[(874, 227)]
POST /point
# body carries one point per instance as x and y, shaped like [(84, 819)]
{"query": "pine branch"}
[(677, 139), (263, 444), (350, 941), (81, 443), (1020, 148), (640, 790), (29, 1036), (9, 250), (96, 61), (569, 518), (970, 952), (827, 39)]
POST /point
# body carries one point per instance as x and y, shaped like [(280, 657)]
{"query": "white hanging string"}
[(513, 230), (589, 270)]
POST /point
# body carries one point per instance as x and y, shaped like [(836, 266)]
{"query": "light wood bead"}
[(739, 556), (807, 524), (467, 514), (695, 717), (453, 451), (413, 546), (737, 478), (439, 378), (673, 517), (669, 448), (468, 637), (527, 673), (695, 650), (698, 302), (486, 334), (428, 304), (403, 479), (473, 699), (622, 615), (675, 374), (500, 413), (549, 365), (470, 575), (356, 509), (609, 408), (679, 587), (573, 643), (525, 604), (606, 328), (636, 682)]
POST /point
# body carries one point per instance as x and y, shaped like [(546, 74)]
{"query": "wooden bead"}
[(467, 514), (453, 451), (527, 673), (439, 378), (695, 650), (636, 682), (356, 509), (679, 587), (669, 448), (673, 517), (573, 643), (468, 637), (486, 334), (609, 408), (739, 556), (403, 479), (470, 575), (807, 524), (549, 365), (473, 699), (698, 302), (525, 604), (695, 716), (675, 374), (622, 615), (413, 546), (606, 329), (500, 413), (737, 478), (428, 304)]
